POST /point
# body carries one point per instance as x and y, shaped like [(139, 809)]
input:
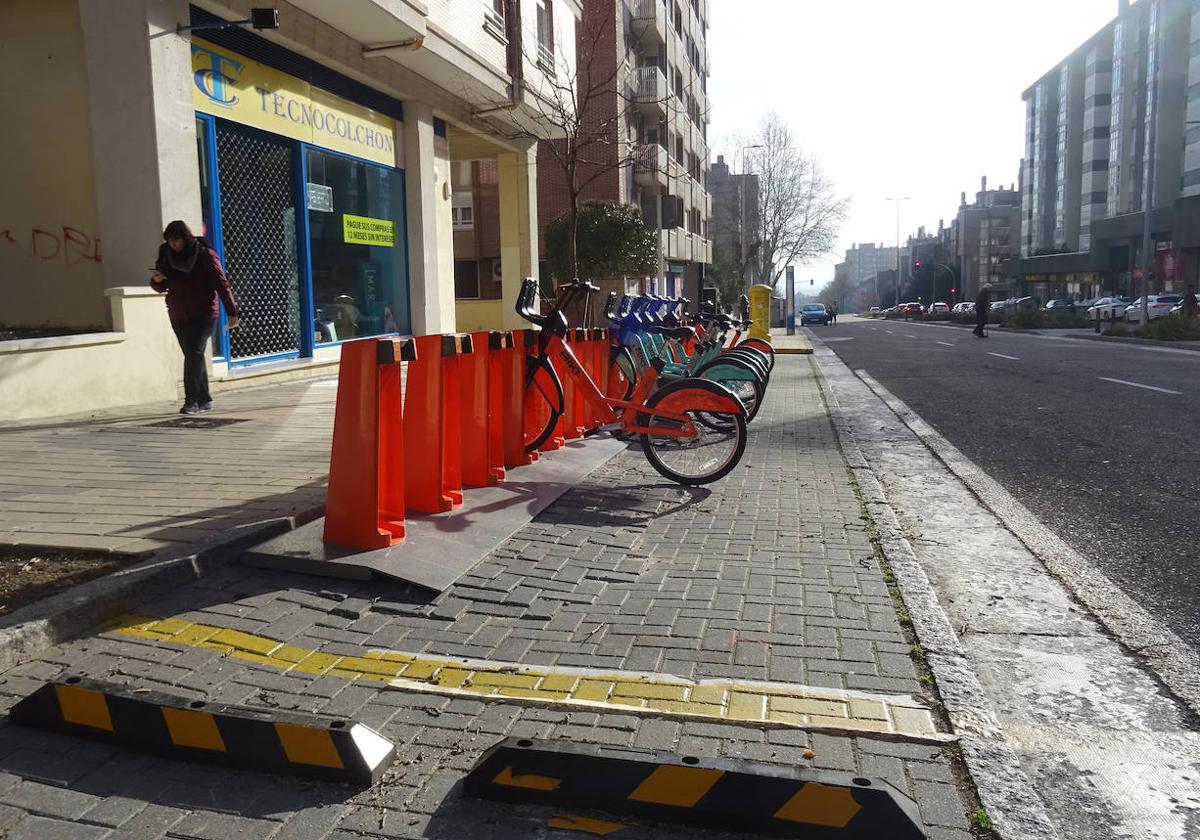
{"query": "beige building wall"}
[(50, 249)]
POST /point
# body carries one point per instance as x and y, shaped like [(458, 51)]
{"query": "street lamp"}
[(897, 200)]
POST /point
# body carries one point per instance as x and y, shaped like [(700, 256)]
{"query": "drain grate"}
[(196, 423)]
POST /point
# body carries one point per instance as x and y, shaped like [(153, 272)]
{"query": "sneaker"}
[(205, 406), (190, 408)]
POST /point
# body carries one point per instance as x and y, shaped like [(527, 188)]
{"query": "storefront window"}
[(357, 240)]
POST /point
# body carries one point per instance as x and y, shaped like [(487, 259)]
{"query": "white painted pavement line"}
[(906, 335), (1140, 385), (889, 332), (947, 344), (1002, 356)]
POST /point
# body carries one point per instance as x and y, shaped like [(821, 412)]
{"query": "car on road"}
[(1108, 308), (814, 313), (911, 308), (1156, 307), (875, 310), (967, 307), (939, 311)]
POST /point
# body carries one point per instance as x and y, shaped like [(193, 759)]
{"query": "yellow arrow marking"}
[(527, 780), (818, 804), (571, 822)]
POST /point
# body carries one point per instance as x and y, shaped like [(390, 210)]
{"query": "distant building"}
[(734, 224), (1084, 171), (984, 236), (863, 262)]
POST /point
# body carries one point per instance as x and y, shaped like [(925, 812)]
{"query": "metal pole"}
[(1148, 188), (898, 200), (789, 305)]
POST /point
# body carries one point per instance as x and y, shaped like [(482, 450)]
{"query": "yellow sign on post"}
[(760, 312), (363, 230)]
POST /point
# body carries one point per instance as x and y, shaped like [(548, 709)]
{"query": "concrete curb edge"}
[(1003, 788), (27, 632)]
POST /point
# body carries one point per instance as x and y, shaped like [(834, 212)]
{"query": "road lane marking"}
[(746, 702), (946, 343), (1002, 356), (906, 335), (1140, 385)]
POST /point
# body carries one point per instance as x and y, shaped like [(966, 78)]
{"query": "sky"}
[(912, 98)]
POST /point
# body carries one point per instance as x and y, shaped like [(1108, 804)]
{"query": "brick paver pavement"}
[(767, 575)]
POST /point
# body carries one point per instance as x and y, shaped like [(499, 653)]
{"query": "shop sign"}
[(363, 230), (320, 198), (236, 88)]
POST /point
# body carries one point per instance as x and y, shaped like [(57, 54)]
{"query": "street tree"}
[(799, 209), (612, 242)]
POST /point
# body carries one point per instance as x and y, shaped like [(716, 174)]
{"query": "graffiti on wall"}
[(71, 245)]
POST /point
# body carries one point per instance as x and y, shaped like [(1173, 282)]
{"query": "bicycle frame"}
[(552, 345)]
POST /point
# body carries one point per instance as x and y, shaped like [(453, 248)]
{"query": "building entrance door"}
[(258, 230)]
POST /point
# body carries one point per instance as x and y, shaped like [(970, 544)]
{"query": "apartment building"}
[(1086, 163), (864, 262), (655, 120), (985, 235), (317, 157)]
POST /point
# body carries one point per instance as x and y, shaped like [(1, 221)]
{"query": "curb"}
[(27, 632), (1192, 346), (1000, 782)]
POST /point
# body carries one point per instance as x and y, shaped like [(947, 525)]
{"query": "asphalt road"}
[(1101, 442)]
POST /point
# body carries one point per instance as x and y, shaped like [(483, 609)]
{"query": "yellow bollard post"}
[(760, 312)]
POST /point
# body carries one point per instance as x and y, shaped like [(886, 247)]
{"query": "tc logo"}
[(214, 82)]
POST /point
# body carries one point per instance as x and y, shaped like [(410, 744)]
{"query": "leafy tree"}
[(611, 240)]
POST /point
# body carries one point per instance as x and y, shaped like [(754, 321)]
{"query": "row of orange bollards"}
[(456, 420)]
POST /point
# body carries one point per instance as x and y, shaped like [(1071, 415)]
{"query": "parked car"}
[(875, 310), (814, 313), (997, 308), (1156, 306), (1060, 305), (1108, 308), (939, 310), (967, 307), (911, 308)]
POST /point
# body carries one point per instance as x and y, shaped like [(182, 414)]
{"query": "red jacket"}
[(194, 294)]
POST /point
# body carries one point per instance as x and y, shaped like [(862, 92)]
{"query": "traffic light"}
[(916, 266)]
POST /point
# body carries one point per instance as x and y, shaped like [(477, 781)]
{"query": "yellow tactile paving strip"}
[(733, 701)]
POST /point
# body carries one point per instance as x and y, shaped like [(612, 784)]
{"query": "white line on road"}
[(906, 335), (889, 332), (1139, 385), (1002, 356), (946, 343)]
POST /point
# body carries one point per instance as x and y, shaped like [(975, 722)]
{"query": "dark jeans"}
[(980, 322), (194, 336)]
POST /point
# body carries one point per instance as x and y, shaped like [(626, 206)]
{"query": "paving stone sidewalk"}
[(767, 575)]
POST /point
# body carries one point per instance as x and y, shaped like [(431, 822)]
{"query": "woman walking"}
[(189, 272)]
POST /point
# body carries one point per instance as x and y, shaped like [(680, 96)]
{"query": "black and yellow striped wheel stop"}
[(742, 795), (274, 741)]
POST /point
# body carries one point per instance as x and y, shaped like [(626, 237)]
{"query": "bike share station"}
[(427, 431)]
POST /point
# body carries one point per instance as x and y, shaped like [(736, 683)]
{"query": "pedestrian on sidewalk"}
[(1191, 305), (833, 314), (189, 272), (982, 301)]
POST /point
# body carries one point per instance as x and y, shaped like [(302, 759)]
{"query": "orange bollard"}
[(432, 409), (364, 505), (512, 384), (482, 418)]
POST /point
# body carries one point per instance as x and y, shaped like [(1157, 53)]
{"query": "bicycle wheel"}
[(543, 401), (622, 375), (709, 454), (761, 346), (750, 393)]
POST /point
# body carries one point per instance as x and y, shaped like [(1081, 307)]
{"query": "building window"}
[(466, 279), (545, 34), (493, 20), (462, 210)]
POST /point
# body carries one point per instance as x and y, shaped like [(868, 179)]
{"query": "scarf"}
[(185, 260)]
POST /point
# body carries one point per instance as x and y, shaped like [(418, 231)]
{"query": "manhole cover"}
[(196, 423)]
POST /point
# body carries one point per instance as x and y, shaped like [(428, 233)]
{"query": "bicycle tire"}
[(653, 452), (622, 376), (723, 421), (544, 401), (761, 346)]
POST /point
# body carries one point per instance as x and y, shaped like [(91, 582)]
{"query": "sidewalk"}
[(768, 575)]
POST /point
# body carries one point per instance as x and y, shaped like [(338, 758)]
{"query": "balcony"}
[(650, 92), (650, 23), (651, 166)]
